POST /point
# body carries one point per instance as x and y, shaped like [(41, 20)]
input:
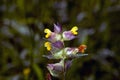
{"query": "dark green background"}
[(22, 37)]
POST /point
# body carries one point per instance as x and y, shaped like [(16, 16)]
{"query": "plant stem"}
[(64, 70), (31, 53)]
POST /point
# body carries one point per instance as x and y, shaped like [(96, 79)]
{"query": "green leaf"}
[(38, 72)]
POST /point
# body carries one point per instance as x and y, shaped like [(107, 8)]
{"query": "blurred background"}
[(22, 37)]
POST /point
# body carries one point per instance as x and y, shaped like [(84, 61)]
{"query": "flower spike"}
[(48, 33), (48, 45), (56, 46)]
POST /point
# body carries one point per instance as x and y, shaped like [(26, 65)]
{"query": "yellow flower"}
[(26, 71), (48, 45), (74, 30), (82, 48), (48, 33)]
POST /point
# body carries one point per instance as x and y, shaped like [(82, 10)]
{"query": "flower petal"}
[(54, 37), (67, 35), (58, 44), (48, 33), (70, 51), (74, 30), (56, 69), (48, 45), (57, 28)]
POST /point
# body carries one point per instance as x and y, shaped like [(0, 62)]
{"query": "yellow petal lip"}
[(74, 30), (47, 30), (48, 33), (48, 45)]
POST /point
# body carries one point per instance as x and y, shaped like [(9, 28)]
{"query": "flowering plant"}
[(55, 45)]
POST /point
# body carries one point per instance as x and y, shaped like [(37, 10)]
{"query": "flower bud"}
[(82, 48)]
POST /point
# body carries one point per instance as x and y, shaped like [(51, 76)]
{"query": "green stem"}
[(26, 77), (32, 53), (64, 70)]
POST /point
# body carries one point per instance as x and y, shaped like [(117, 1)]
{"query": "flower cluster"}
[(55, 44)]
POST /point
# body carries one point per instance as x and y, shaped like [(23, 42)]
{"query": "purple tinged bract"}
[(67, 35), (58, 44), (57, 28)]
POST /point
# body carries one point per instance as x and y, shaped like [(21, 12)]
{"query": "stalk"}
[(64, 70)]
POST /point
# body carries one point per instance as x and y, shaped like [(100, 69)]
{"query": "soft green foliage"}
[(21, 37), (38, 71)]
